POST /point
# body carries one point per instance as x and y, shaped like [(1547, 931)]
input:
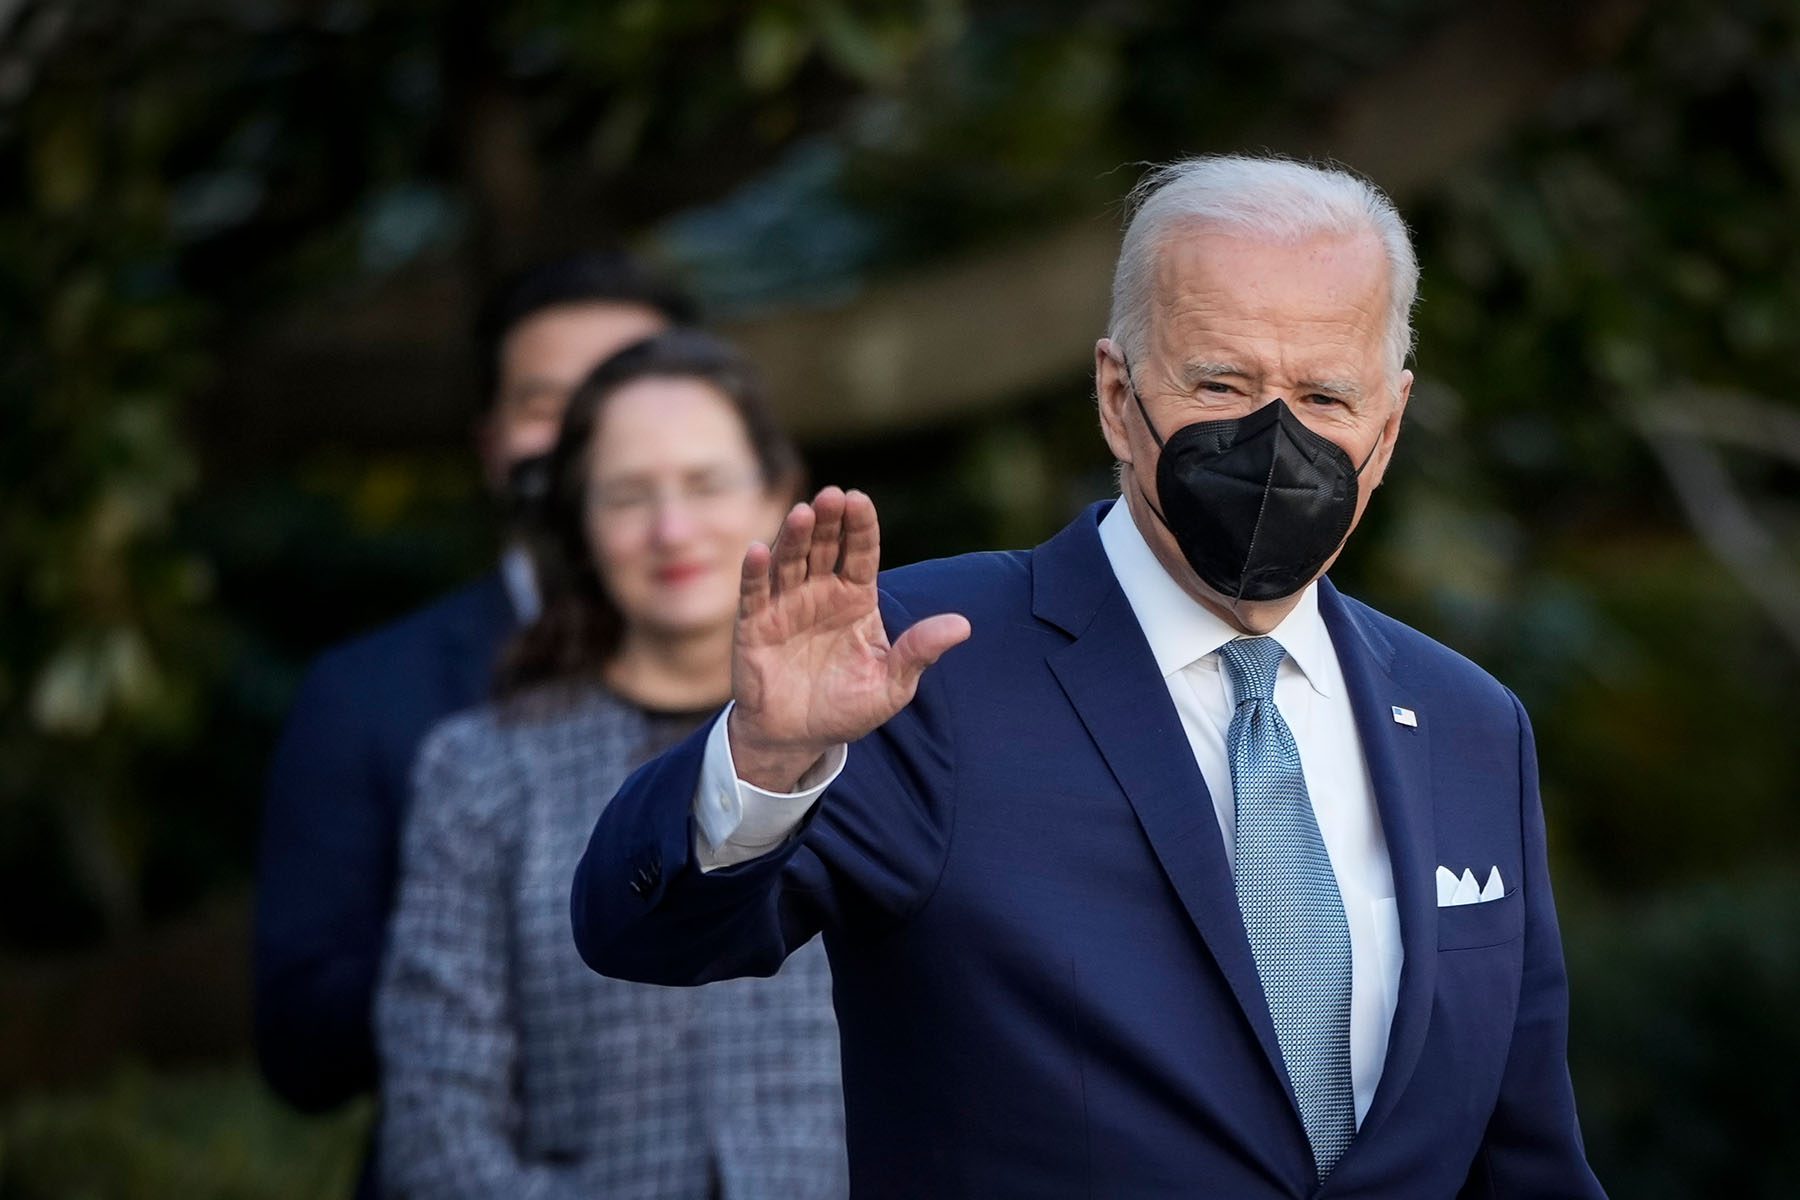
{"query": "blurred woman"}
[(510, 1069)]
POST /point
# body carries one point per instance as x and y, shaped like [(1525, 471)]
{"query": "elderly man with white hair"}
[(1184, 874)]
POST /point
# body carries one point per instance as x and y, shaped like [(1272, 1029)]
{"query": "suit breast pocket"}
[(1472, 926)]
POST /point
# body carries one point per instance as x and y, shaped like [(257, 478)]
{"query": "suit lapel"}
[(1112, 681), (1399, 761), (474, 633)]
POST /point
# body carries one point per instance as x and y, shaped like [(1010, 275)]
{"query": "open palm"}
[(811, 663)]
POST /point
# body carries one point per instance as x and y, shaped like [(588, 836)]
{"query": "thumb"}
[(924, 644)]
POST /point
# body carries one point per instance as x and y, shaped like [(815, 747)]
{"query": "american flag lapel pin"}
[(1406, 717)]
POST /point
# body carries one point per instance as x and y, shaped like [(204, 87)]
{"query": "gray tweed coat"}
[(511, 1070)]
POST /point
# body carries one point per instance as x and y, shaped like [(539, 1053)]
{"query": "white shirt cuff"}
[(739, 821)]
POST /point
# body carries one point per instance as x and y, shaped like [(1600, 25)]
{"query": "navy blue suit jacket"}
[(1042, 978), (337, 793)]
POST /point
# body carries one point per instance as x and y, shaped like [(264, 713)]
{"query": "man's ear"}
[(1112, 394), (1390, 428)]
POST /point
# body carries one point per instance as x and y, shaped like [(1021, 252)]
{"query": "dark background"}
[(240, 244)]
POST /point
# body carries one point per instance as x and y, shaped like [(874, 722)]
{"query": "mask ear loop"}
[(1131, 386), (1149, 425)]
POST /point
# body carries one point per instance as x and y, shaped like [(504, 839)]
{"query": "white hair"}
[(1274, 198)]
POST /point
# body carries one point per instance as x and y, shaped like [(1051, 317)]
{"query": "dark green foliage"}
[(103, 641), (208, 1136), (1632, 247), (1683, 1036)]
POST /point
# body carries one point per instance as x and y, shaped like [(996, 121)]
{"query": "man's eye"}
[(1214, 387)]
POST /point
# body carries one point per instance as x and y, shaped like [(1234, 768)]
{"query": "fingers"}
[(924, 644), (792, 546), (753, 584), (861, 539), (835, 534), (827, 537)]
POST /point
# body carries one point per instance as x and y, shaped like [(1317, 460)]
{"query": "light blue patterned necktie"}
[(1289, 898)]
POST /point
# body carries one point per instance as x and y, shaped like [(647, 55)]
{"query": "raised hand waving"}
[(811, 663)]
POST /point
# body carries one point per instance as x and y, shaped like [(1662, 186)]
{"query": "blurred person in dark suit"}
[(338, 783), (508, 1068)]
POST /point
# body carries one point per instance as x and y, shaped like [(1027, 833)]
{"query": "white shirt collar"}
[(1180, 629), (520, 578)]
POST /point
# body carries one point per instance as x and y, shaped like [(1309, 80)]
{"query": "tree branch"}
[(1718, 514), (1725, 417)]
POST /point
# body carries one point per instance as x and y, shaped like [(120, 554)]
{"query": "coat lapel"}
[(1111, 679), (474, 632), (1399, 760)]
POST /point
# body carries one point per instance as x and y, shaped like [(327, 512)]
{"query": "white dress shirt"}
[(519, 575), (738, 821)]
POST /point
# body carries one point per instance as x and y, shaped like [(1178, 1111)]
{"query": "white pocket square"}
[(1456, 889)]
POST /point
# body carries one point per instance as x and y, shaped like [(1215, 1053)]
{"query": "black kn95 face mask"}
[(1258, 503)]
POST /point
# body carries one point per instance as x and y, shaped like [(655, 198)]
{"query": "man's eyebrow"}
[(1347, 389), (1200, 372)]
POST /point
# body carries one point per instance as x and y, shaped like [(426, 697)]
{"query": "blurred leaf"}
[(772, 47), (867, 47), (65, 164)]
